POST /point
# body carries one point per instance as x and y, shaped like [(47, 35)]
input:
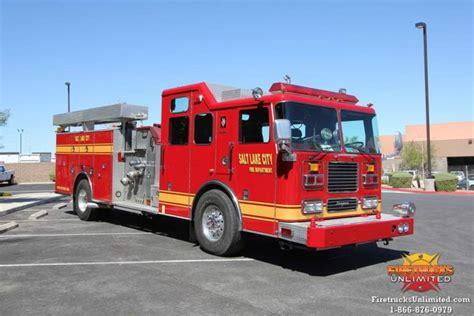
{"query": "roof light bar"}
[(281, 87)]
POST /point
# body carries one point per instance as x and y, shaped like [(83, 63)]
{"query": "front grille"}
[(343, 177), (339, 205)]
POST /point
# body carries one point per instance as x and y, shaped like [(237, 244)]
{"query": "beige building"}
[(453, 143)]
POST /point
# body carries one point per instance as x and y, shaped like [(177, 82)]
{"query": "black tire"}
[(12, 180), (84, 213), (225, 241)]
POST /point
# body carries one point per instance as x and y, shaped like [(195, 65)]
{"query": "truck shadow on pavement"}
[(265, 249)]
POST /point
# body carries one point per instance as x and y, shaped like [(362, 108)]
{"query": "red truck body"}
[(217, 138)]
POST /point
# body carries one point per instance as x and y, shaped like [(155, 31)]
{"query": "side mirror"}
[(282, 131), (282, 134), (406, 209)]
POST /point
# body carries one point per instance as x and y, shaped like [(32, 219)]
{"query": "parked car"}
[(7, 175), (470, 184), (458, 174)]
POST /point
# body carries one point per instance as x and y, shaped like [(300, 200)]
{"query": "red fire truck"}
[(299, 164)]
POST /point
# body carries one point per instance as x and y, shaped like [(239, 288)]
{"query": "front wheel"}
[(82, 196), (216, 224)]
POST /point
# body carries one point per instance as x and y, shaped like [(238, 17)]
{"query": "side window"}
[(203, 128), (178, 133), (179, 105), (2, 169), (254, 126)]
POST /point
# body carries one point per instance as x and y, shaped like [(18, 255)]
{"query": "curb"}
[(38, 215), (22, 207), (467, 193), (8, 226)]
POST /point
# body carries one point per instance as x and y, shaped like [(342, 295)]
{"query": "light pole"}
[(422, 26), (68, 84), (20, 131)]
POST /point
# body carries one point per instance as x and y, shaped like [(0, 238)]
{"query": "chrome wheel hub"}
[(213, 223), (82, 200)]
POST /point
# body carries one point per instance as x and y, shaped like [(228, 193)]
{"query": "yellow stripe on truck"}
[(97, 149), (259, 209), (167, 197)]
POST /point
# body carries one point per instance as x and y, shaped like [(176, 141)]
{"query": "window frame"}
[(180, 97), (212, 126), (263, 107), (373, 126), (170, 133)]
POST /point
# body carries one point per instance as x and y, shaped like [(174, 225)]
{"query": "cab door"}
[(174, 194), (255, 163), (202, 146), (226, 136)]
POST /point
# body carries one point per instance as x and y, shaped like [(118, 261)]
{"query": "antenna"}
[(287, 79)]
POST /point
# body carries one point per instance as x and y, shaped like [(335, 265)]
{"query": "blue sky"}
[(131, 50)]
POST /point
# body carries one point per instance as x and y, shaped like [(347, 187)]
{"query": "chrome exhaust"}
[(92, 205)]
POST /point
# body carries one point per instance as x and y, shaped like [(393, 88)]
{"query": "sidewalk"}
[(21, 201), (421, 191)]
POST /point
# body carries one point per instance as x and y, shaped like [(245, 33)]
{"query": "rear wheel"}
[(82, 196), (216, 224), (12, 180)]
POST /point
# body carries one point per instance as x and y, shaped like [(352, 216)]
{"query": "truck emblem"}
[(223, 122)]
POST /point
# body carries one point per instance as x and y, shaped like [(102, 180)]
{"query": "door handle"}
[(231, 149)]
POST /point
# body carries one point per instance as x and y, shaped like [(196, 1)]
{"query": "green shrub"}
[(445, 182), (6, 194), (52, 176), (400, 180)]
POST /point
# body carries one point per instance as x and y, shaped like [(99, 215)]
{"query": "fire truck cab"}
[(299, 164)]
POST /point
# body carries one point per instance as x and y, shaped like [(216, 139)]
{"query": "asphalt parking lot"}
[(127, 264)]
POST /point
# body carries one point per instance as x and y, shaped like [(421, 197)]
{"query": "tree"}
[(414, 157), (350, 140), (4, 115)]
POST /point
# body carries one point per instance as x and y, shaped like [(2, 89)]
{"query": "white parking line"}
[(47, 220), (59, 264), (67, 235), (32, 191)]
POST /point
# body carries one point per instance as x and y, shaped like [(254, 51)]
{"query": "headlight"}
[(312, 207), (406, 209), (406, 227), (400, 228), (369, 203)]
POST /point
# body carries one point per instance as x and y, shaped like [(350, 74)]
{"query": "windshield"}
[(313, 127), (360, 132)]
